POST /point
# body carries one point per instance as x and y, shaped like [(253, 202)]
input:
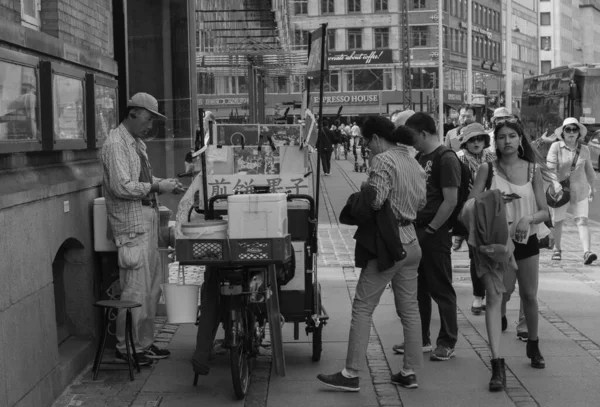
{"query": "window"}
[(331, 82), (327, 6), (446, 36), (279, 84), (301, 38), (331, 39), (30, 13), (301, 7), (546, 43), (382, 37), (419, 35), (353, 6), (546, 66), (19, 104), (419, 4), (355, 38), (544, 18), (368, 79), (445, 5), (381, 5)]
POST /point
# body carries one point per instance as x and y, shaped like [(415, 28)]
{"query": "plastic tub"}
[(205, 229), (257, 216)]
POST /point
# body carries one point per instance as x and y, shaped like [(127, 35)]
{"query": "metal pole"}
[(194, 120), (508, 77), (320, 124), (469, 51), (441, 70)]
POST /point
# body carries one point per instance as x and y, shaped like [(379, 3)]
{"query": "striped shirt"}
[(122, 188), (396, 176)]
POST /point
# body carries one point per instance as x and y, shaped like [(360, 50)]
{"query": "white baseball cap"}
[(146, 101)]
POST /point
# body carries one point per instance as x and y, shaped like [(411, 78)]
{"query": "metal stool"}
[(110, 306)]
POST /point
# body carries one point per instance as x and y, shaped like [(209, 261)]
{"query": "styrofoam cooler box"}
[(257, 216), (101, 243)]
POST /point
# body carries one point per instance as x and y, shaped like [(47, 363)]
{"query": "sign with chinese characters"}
[(220, 184), (360, 57)]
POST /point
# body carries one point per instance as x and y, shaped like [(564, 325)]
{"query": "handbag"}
[(557, 200)]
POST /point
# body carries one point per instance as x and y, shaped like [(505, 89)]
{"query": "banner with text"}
[(360, 57), (356, 99)]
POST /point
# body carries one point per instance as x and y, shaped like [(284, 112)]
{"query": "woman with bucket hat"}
[(571, 161), (474, 144)]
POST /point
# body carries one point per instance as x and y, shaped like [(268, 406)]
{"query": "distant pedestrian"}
[(466, 117), (325, 147), (394, 192), (571, 160), (443, 172)]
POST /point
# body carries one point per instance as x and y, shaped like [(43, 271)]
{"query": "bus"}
[(566, 91)]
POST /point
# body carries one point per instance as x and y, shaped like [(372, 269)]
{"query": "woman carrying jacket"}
[(560, 159)]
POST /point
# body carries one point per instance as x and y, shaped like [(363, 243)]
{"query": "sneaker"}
[(154, 352), (141, 358), (589, 258), (457, 244), (339, 381), (408, 381), (523, 336), (399, 349), (442, 353)]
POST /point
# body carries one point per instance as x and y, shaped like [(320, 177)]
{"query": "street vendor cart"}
[(258, 178)]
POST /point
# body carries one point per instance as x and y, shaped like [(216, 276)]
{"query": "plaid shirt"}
[(398, 177), (122, 188)]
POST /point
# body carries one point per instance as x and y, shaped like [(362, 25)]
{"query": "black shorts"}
[(529, 249)]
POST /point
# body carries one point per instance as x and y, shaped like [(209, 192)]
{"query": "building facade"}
[(64, 69)]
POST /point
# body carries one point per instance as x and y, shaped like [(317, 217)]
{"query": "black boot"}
[(498, 380), (533, 353)]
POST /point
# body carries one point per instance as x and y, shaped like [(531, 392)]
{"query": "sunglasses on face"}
[(571, 129), (477, 139)]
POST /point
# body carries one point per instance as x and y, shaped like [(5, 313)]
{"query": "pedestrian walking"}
[(517, 173), (397, 191), (443, 172), (466, 116), (130, 190), (571, 161), (475, 143), (325, 147)]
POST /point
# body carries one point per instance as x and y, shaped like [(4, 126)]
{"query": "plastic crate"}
[(276, 250), (201, 251), (238, 251)]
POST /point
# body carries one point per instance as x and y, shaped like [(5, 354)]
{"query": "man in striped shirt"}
[(398, 178), (130, 191)]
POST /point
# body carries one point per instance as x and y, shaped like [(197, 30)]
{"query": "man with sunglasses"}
[(466, 117)]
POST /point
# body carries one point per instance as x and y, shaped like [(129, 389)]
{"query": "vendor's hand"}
[(522, 230), (167, 185)]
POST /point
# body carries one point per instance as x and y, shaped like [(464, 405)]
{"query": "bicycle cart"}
[(262, 280)]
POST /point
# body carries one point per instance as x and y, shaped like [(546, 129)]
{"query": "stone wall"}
[(40, 238)]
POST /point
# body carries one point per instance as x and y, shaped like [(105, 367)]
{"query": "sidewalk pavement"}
[(569, 297)]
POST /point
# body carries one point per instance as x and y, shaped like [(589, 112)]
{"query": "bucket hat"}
[(146, 101), (473, 130), (500, 113), (572, 120), (402, 117)]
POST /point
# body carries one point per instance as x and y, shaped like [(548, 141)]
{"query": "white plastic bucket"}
[(205, 229), (181, 301)]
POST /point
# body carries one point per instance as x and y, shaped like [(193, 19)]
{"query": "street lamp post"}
[(469, 51), (441, 69), (508, 39)]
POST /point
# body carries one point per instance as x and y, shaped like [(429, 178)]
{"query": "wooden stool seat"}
[(117, 304), (112, 306)]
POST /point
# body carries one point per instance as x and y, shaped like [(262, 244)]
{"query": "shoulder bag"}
[(557, 200)]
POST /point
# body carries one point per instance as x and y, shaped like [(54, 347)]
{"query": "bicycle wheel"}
[(239, 354)]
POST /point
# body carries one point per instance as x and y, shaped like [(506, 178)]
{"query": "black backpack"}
[(466, 183)]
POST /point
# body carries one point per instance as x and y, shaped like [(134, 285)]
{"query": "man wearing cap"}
[(466, 117), (130, 191), (500, 113)]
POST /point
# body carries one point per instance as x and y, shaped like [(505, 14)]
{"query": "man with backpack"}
[(445, 198)]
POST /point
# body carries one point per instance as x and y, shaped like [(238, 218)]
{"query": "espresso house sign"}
[(360, 57)]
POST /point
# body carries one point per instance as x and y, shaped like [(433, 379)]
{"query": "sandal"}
[(557, 255), (589, 258)]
